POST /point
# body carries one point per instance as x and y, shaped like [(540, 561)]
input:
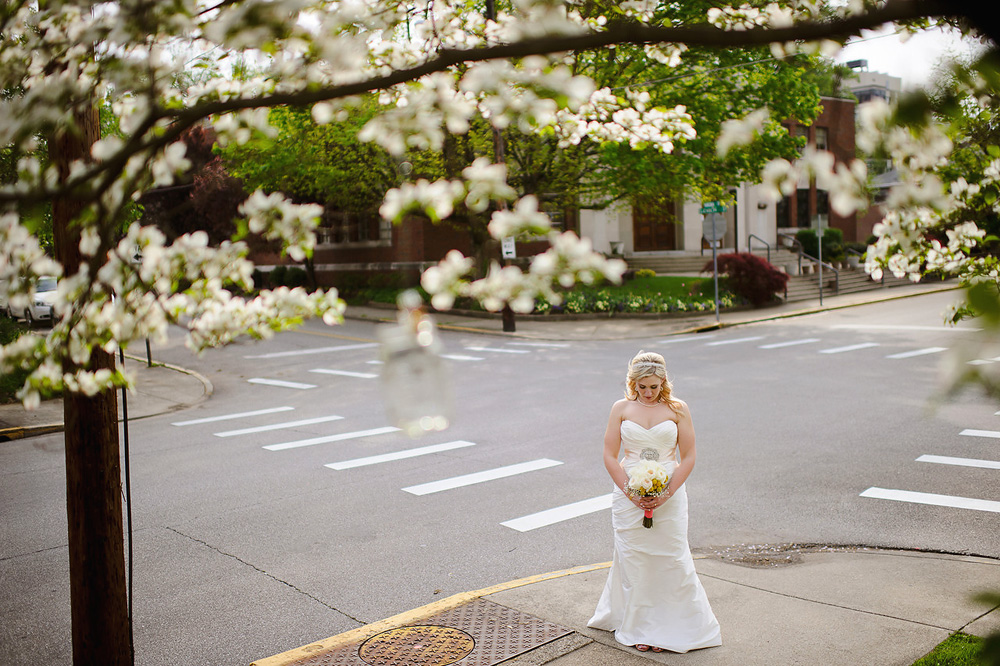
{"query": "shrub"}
[(10, 382), (296, 277), (645, 273), (833, 243), (750, 277), (277, 276)]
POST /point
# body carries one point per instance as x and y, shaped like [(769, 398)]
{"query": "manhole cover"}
[(421, 645)]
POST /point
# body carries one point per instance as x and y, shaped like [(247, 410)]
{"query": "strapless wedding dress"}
[(653, 595)]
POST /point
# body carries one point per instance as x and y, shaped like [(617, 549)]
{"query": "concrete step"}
[(805, 287)]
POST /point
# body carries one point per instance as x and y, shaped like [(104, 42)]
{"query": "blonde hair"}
[(649, 364)]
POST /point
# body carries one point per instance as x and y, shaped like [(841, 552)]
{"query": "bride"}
[(653, 598)]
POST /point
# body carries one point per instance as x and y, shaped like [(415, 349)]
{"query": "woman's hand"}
[(649, 503)]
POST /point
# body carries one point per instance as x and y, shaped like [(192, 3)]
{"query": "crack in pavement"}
[(271, 576), (823, 603)]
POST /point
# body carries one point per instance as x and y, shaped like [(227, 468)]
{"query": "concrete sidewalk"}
[(160, 389), (810, 605)]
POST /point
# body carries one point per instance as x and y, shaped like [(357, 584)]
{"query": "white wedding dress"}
[(653, 595)]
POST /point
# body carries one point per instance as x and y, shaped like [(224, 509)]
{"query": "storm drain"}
[(479, 633)]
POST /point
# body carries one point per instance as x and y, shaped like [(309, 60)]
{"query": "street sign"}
[(508, 248), (712, 207), (713, 227)]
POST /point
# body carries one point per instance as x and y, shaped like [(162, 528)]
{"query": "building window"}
[(339, 227), (782, 211), (823, 203), (802, 208), (822, 139)]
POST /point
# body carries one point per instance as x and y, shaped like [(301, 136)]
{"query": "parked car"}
[(40, 307)]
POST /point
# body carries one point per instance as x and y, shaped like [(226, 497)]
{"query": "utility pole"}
[(98, 593), (507, 315)]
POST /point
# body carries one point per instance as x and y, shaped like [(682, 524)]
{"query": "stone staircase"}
[(800, 287)]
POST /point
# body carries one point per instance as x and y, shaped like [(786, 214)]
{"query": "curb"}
[(364, 632), (702, 328), (23, 432)]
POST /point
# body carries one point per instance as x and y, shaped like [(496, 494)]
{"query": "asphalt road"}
[(244, 551)]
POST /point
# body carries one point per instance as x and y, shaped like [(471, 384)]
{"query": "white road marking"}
[(734, 341), (278, 382), (278, 426), (685, 338), (902, 327), (790, 343), (499, 350), (461, 357), (376, 362), (345, 373), (969, 432), (480, 477), (962, 462), (314, 350), (933, 500), (540, 344), (330, 438), (559, 514), (399, 455), (918, 352), (982, 361), (229, 417), (848, 348)]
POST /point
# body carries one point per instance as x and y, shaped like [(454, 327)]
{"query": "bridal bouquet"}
[(648, 479)]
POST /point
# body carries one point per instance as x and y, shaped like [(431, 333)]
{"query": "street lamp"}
[(415, 384)]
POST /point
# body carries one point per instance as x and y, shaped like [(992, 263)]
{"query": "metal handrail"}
[(796, 243), (766, 244), (836, 273)]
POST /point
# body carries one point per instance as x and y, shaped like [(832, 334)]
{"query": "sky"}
[(913, 60)]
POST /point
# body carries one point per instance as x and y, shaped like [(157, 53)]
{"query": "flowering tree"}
[(436, 66)]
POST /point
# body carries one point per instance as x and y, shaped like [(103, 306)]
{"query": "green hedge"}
[(10, 382)]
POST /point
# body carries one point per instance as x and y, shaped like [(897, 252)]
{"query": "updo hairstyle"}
[(646, 364)]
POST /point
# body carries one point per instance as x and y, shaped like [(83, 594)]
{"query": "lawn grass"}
[(957, 650), (668, 286)]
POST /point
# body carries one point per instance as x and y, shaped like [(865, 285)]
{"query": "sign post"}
[(713, 228), (820, 225)]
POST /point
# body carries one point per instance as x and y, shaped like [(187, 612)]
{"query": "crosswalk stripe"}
[(685, 338), (461, 357), (734, 341), (969, 432), (345, 373), (838, 350), (330, 438), (399, 455), (560, 345), (277, 426), (314, 350), (982, 361), (559, 514), (962, 462), (480, 477), (281, 383), (904, 327), (790, 343), (933, 500), (498, 350), (229, 417), (918, 352)]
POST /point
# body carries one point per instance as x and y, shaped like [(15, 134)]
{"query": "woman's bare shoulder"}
[(681, 408)]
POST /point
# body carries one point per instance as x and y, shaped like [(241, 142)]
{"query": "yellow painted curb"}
[(409, 617)]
